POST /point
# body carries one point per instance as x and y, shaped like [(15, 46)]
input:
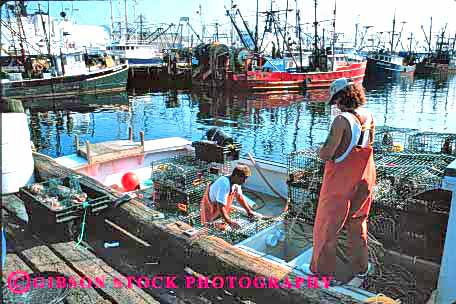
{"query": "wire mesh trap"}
[(399, 216), (305, 174), (218, 228), (390, 139), (432, 142), (179, 182), (403, 175)]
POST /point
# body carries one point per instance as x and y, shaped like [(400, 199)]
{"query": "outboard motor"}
[(219, 147), (220, 137)]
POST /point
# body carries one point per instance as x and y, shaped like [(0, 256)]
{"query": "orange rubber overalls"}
[(345, 201), (210, 210)]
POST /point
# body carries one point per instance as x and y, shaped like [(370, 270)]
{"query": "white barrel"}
[(17, 159)]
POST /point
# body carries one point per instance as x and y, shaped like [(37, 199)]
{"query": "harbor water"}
[(269, 125)]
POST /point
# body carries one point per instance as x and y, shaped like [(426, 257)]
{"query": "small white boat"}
[(108, 162)]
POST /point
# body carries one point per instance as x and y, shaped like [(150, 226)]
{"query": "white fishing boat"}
[(108, 162)]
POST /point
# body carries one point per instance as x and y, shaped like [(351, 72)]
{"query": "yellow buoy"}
[(381, 299), (397, 147)]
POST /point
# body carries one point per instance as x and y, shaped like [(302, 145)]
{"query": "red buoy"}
[(130, 181)]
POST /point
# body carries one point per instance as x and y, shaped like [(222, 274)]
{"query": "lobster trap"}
[(305, 175), (210, 151), (432, 142), (247, 229), (403, 216), (179, 182), (391, 139)]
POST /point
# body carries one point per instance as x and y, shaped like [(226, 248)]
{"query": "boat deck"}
[(111, 150)]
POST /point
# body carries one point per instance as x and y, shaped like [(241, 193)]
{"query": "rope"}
[(81, 235)]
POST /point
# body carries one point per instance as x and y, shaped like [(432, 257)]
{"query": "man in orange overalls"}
[(219, 197), (349, 176)]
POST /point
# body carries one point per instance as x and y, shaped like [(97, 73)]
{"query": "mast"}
[(20, 32), (286, 27), (256, 28), (410, 45), (316, 50), (298, 18), (126, 20), (430, 38), (334, 38), (392, 34), (112, 20), (356, 34), (141, 27), (43, 24)]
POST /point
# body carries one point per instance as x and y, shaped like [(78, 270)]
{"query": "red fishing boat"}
[(217, 70)]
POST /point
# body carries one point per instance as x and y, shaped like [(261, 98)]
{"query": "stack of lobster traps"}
[(179, 182), (410, 210)]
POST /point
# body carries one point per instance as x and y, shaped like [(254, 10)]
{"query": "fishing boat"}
[(137, 52), (260, 248), (231, 69), (388, 63), (105, 80), (251, 68)]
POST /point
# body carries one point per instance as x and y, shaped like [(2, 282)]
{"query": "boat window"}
[(77, 58)]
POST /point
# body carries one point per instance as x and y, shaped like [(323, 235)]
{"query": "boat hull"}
[(103, 81), (264, 81), (379, 67)]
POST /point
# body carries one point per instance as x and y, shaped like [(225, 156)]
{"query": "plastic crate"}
[(211, 152), (41, 213)]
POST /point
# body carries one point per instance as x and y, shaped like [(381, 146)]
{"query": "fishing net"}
[(38, 288)]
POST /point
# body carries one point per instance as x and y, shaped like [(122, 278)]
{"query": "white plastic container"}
[(17, 159)]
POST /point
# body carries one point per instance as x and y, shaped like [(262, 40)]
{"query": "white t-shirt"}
[(220, 189)]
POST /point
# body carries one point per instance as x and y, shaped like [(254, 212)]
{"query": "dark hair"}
[(352, 96), (242, 171)]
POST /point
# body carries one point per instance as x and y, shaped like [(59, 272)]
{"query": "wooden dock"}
[(33, 252)]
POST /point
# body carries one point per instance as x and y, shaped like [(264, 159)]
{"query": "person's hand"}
[(252, 217), (235, 226)]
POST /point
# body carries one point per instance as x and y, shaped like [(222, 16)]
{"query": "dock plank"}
[(71, 262), (13, 263), (86, 262), (45, 260)]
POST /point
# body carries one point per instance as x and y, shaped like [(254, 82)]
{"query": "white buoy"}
[(17, 158)]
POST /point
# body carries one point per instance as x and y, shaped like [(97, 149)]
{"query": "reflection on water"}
[(270, 125)]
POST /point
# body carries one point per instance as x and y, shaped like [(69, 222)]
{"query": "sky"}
[(378, 14)]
